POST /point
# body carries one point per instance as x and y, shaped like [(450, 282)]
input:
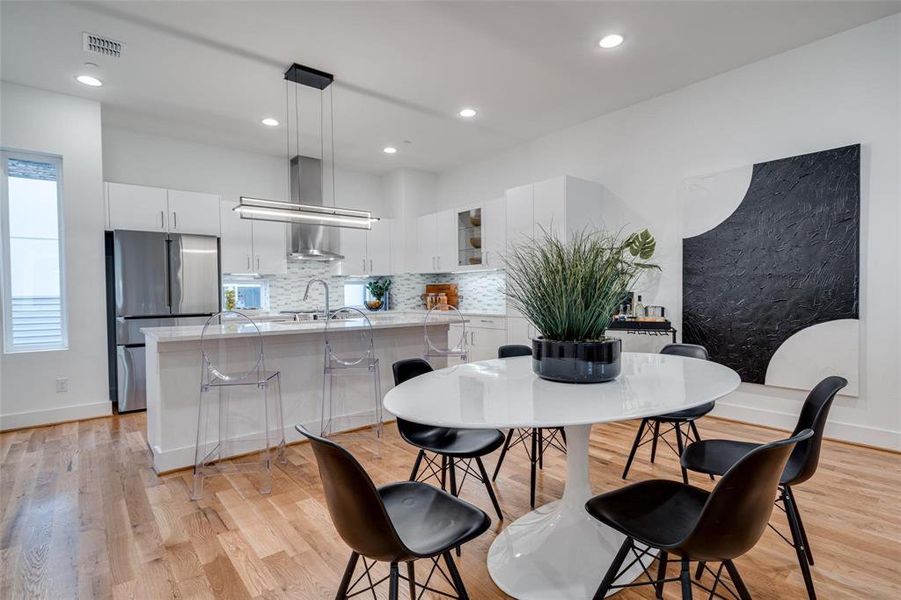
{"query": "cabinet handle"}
[(370, 266), (364, 265), (472, 338), (174, 220), (162, 220), (258, 263), (248, 262)]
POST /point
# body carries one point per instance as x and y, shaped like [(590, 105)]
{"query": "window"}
[(354, 294), (245, 295), (34, 312)]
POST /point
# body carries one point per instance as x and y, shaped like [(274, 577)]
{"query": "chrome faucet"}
[(306, 294)]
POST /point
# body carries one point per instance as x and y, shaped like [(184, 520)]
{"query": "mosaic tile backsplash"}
[(481, 291)]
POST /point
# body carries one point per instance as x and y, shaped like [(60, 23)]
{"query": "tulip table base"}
[(559, 551)]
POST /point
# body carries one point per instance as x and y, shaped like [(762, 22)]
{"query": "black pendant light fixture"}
[(259, 209)]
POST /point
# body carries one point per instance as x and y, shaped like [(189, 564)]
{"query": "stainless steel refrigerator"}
[(154, 280)]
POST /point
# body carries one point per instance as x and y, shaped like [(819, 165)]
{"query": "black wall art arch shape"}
[(786, 259)]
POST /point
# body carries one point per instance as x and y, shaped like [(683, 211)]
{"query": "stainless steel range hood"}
[(310, 242)]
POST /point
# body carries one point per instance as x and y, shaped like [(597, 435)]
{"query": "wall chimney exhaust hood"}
[(312, 220)]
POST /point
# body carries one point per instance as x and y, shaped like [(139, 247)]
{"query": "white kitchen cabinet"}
[(193, 212), (425, 260), (446, 241), (520, 215), (378, 247), (270, 248), (486, 335), (494, 233), (353, 248), (519, 331), (251, 246), (136, 207), (549, 208), (366, 253)]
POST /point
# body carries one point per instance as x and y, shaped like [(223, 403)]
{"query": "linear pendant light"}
[(288, 212), (258, 209)]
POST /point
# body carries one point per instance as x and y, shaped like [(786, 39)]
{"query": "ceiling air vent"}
[(100, 45)]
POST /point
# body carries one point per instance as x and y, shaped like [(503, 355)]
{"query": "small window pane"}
[(33, 298)]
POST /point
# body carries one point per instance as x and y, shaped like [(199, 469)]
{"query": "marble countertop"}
[(192, 333)]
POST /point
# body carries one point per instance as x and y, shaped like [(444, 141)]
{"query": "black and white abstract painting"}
[(771, 257)]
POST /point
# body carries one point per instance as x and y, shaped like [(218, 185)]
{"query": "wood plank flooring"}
[(82, 515)]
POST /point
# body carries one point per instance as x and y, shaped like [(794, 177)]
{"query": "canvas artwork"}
[(771, 268)]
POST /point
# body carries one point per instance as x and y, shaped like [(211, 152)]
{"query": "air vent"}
[(97, 44)]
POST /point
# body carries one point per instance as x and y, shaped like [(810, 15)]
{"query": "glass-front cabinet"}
[(469, 238)]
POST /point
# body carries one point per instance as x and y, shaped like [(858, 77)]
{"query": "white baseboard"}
[(838, 430), (36, 418), (181, 458)]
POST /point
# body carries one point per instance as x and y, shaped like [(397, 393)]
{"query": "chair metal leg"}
[(455, 576), (563, 435), (393, 582), (699, 572), (444, 472), (416, 464), (280, 417), (697, 436), (484, 475), (798, 542), (685, 578), (500, 460), (613, 570), (807, 548), (540, 448), (654, 441), (533, 459), (634, 447), (266, 486), (411, 579), (661, 573), (452, 471), (348, 576), (737, 580), (680, 445)]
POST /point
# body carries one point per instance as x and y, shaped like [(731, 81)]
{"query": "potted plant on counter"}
[(569, 292), (378, 289)]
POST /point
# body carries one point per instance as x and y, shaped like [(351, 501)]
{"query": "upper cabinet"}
[(367, 253), (436, 248), (193, 212), (144, 208), (136, 207), (249, 246), (494, 233)]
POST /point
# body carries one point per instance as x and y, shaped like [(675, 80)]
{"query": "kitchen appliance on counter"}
[(153, 280)]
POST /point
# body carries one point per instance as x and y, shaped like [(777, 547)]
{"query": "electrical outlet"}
[(62, 384)]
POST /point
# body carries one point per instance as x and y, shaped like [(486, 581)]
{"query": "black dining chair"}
[(681, 422), (694, 524), (716, 457), (541, 438), (454, 449), (396, 523)]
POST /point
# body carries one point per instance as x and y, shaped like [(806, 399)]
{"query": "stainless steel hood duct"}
[(310, 242)]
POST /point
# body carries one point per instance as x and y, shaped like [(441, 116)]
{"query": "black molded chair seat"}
[(459, 443), (658, 513), (686, 415), (715, 457), (430, 521)]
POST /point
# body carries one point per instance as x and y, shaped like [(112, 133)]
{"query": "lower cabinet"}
[(519, 331), (483, 336)]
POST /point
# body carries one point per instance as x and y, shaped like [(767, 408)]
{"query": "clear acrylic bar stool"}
[(242, 426), (454, 346), (349, 347)]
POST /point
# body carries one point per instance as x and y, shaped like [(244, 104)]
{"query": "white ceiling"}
[(209, 71)]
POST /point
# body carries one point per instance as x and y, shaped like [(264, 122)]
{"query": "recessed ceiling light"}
[(611, 41), (270, 122), (89, 80), (389, 150), (468, 113)]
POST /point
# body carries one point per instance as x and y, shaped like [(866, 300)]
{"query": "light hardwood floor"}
[(84, 516)]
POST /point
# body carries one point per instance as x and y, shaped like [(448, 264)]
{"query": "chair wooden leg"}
[(680, 445), (393, 582), (807, 548), (455, 577), (791, 512), (500, 460), (685, 578), (613, 570), (661, 573), (654, 440), (484, 475), (634, 447), (411, 579), (348, 575), (737, 580), (533, 459), (416, 464)]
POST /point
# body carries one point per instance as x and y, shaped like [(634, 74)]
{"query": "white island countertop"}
[(188, 333)]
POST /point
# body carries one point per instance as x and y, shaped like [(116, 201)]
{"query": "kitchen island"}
[(296, 350)]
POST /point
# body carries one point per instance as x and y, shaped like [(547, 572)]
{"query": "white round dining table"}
[(557, 551)]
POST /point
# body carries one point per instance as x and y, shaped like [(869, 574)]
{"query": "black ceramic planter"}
[(577, 362)]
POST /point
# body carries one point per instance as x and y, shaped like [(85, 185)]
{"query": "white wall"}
[(38, 121), (837, 91)]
